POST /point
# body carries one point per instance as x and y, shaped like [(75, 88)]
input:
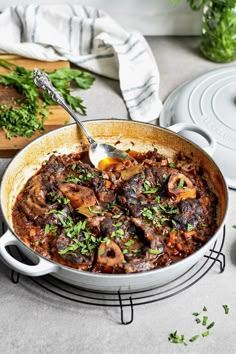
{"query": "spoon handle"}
[(42, 80)]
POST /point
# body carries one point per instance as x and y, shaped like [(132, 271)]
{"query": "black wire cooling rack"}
[(127, 299)]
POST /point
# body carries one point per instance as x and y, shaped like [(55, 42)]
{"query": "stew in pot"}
[(124, 217)]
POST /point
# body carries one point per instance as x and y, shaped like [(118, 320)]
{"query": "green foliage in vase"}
[(198, 4), (218, 38), (218, 35)]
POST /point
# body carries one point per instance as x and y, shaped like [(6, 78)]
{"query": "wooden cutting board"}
[(57, 118)]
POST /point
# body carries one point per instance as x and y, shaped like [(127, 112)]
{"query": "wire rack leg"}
[(217, 259), (122, 312), (15, 277)]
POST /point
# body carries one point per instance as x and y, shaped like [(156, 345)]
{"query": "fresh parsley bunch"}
[(26, 114), (198, 4)]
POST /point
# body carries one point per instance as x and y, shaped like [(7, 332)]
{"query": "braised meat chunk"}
[(133, 217)]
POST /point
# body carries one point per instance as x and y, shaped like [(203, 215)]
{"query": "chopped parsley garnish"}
[(50, 228), (96, 211), (55, 198), (151, 214), (82, 176), (205, 334), (194, 338), (116, 216), (72, 179), (148, 189), (85, 175), (118, 233), (196, 313), (106, 240), (174, 222), (168, 209), (27, 114), (69, 249), (157, 199), (204, 321), (226, 309), (153, 251), (190, 227), (135, 251), (181, 182), (176, 338), (162, 220), (80, 235), (210, 325), (117, 224), (154, 147), (129, 243)]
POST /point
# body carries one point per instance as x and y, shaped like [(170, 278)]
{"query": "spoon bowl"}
[(97, 151)]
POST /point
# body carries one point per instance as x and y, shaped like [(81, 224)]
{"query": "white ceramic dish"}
[(70, 138)]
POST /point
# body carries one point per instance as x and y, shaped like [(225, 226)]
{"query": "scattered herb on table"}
[(212, 324), (27, 114), (226, 309), (205, 334), (176, 338), (180, 338), (194, 338), (204, 321), (196, 313)]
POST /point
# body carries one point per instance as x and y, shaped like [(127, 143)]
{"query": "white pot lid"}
[(208, 101)]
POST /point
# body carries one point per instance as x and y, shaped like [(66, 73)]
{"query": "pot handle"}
[(178, 127), (41, 268)]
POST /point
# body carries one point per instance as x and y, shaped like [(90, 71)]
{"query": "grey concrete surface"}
[(34, 321)]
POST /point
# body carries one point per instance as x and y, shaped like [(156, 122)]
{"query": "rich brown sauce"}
[(120, 218), (109, 162)]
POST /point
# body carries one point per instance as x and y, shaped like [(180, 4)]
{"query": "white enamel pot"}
[(135, 135)]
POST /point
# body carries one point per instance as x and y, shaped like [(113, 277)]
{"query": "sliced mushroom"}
[(181, 186), (79, 195), (109, 253)]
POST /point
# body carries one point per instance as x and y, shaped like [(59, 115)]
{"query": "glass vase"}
[(218, 36)]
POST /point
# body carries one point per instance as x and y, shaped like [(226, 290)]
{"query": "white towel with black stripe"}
[(90, 39)]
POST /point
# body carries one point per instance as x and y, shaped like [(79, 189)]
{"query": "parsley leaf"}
[(27, 114)]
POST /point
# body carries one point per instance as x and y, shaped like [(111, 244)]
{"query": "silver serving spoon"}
[(97, 151)]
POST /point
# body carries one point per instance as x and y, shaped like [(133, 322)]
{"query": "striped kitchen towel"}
[(90, 39)]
